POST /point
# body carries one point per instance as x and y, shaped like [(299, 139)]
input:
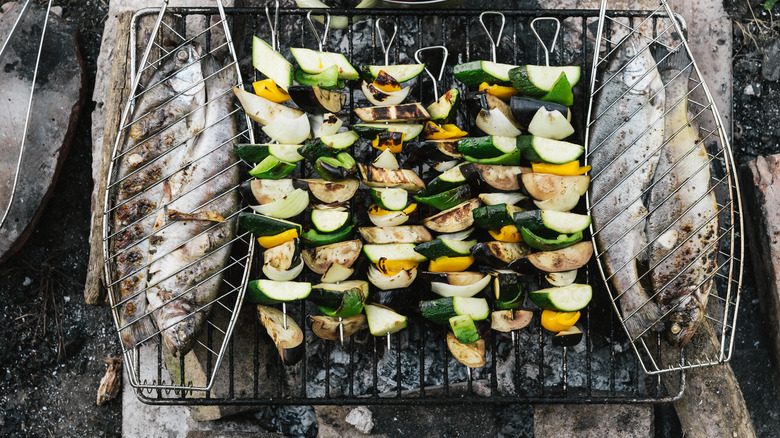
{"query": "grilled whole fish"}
[(192, 242), (624, 148), (167, 113), (683, 220)]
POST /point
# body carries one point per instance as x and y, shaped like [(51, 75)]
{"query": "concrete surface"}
[(593, 421), (710, 40)]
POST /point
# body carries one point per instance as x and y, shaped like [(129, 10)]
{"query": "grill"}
[(413, 366)]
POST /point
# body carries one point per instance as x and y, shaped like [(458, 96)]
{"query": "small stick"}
[(284, 314)]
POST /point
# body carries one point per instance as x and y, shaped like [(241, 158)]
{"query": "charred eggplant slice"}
[(455, 219), (401, 234), (566, 259), (393, 113), (499, 254), (471, 355), (400, 178), (509, 320), (568, 338), (331, 328), (288, 341), (320, 258), (332, 191), (490, 177), (543, 186), (524, 109), (317, 100)]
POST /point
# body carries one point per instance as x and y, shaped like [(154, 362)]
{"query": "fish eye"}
[(676, 328), (182, 55)]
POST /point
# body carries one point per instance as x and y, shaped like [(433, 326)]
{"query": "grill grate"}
[(417, 368)]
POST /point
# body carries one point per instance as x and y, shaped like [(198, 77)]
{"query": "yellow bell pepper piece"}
[(500, 91), (277, 239), (268, 89), (442, 132), (389, 140), (392, 267), (570, 168), (386, 83), (507, 233), (450, 264), (559, 321)]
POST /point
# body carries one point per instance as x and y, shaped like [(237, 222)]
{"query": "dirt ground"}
[(53, 343)]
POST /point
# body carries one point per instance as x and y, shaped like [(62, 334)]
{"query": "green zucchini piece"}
[(569, 298), (273, 292), (487, 147), (548, 150), (538, 80), (551, 221), (397, 251), (312, 61), (508, 288), (493, 217), (445, 248), (371, 130), (338, 295), (446, 181), (383, 320), (399, 72), (513, 158), (328, 146), (271, 63), (260, 225), (393, 199), (314, 238), (445, 108), (328, 78), (441, 310), (329, 220), (464, 329), (476, 72)]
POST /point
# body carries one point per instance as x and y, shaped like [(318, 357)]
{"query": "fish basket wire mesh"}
[(416, 369), (170, 36), (681, 260)]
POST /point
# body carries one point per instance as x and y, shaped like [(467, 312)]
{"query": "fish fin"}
[(642, 320), (212, 216), (142, 329), (673, 60)]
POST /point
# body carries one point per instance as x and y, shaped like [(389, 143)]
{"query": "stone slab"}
[(60, 90), (593, 421), (762, 206)]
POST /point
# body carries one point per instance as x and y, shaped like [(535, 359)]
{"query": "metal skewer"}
[(547, 50), (322, 41), (386, 47), (273, 23), (493, 43), (435, 79)]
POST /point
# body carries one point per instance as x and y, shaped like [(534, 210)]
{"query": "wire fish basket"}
[(175, 262), (664, 196)]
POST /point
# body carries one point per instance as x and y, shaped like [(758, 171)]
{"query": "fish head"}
[(187, 77), (636, 66), (684, 319)]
